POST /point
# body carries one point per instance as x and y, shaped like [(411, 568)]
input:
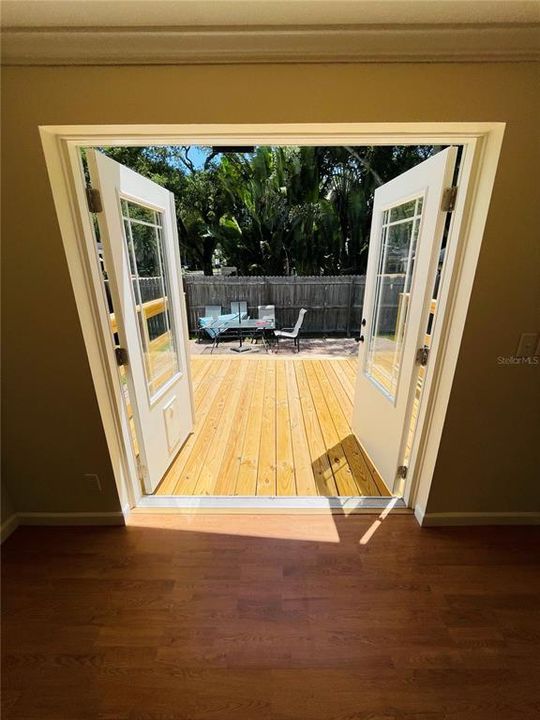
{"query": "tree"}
[(277, 210)]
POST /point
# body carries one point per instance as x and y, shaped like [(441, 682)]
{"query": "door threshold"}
[(234, 504)]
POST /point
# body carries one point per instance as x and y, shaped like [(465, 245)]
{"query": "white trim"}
[(477, 518), (80, 249), (482, 143), (501, 42), (71, 518), (477, 172), (8, 526), (235, 504)]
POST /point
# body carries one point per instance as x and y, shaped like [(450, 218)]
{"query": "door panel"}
[(142, 261), (406, 233)]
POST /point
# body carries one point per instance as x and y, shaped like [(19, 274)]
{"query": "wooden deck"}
[(269, 426)]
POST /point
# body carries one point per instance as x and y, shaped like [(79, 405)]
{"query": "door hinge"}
[(93, 198), (449, 199), (402, 472), (122, 357), (422, 355)]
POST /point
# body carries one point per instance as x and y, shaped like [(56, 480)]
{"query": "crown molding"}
[(345, 44)]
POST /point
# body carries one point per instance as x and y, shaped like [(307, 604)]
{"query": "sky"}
[(197, 155)]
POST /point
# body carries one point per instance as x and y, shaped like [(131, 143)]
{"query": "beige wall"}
[(489, 455)]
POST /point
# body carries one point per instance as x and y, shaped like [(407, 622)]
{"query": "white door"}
[(406, 232), (138, 229)]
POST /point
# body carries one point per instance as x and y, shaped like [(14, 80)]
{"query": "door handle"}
[(122, 357), (363, 324)]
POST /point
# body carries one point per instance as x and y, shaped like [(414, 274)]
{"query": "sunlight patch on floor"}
[(366, 537), (312, 528)]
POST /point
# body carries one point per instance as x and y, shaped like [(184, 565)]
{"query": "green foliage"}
[(278, 210)]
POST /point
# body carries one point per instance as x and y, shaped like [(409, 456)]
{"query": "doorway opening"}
[(273, 424), (281, 425)]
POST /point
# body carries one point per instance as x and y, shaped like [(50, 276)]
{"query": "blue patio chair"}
[(211, 312)]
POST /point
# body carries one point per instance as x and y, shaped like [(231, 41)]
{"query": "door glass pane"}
[(395, 270), (150, 279)]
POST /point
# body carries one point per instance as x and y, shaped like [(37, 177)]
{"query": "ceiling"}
[(34, 14)]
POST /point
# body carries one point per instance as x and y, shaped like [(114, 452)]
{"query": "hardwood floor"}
[(304, 617), (268, 426)]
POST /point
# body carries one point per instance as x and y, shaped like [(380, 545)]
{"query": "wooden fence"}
[(334, 303)]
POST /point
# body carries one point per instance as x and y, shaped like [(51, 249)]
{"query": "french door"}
[(406, 233), (140, 246)]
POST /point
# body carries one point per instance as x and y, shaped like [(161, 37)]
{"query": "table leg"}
[(241, 348)]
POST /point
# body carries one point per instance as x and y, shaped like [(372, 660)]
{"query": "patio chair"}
[(208, 328), (267, 312), (239, 308), (292, 333), (213, 311)]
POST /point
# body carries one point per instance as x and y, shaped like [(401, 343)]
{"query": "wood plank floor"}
[(271, 617), (275, 427)]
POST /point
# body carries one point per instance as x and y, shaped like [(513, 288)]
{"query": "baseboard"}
[(477, 518), (74, 518), (8, 526)]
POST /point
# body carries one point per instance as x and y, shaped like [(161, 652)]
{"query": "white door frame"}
[(481, 149)]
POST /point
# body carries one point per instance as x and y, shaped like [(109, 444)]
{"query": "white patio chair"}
[(292, 333), (267, 312)]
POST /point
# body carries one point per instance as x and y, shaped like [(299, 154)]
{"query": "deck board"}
[(266, 476), (205, 395), (272, 426), (305, 480), (246, 483), (206, 434), (212, 468), (285, 475), (227, 477), (339, 368), (320, 462), (363, 480), (334, 449)]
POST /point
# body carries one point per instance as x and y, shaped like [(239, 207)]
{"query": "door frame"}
[(481, 149)]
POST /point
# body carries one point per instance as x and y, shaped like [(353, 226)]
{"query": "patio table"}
[(244, 327)]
